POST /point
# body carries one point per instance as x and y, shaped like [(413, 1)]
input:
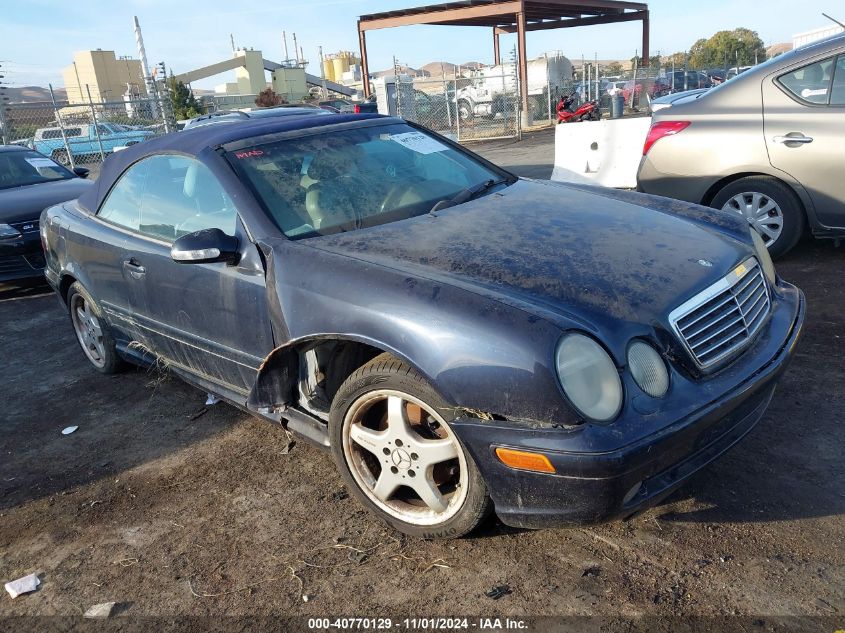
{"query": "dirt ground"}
[(172, 508)]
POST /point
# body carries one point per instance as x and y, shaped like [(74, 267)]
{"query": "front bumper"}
[(599, 484), (21, 258)]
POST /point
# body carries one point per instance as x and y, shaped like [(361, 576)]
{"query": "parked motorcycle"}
[(568, 113)]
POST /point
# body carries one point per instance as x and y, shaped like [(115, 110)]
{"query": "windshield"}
[(350, 179), (18, 169)]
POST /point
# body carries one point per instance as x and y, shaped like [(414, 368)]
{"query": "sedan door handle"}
[(798, 138), (134, 268)]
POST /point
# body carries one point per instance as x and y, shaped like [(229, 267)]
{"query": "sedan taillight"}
[(662, 129), (357, 109)]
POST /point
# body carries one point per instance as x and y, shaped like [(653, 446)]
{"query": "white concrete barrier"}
[(605, 152)]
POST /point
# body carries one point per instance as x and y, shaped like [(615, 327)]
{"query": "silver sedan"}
[(767, 144)]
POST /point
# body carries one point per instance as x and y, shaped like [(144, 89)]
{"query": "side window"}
[(123, 204), (810, 83), (183, 196), (837, 94)]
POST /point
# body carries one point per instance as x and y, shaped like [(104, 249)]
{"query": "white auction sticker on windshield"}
[(41, 163), (419, 142)]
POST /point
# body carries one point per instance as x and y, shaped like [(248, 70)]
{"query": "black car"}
[(236, 116), (29, 183), (461, 340)]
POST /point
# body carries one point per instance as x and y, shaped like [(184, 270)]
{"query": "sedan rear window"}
[(349, 179)]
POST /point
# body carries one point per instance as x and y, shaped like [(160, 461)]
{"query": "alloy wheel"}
[(404, 457), (761, 212), (88, 330)]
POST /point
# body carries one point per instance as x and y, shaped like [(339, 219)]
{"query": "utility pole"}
[(323, 73), (3, 99)]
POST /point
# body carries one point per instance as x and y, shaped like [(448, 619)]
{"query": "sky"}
[(38, 37)]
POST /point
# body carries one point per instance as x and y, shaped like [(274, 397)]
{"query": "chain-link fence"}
[(464, 108), (83, 134)]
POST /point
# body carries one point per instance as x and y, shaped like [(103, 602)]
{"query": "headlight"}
[(763, 255), (648, 369), (7, 231), (589, 377)]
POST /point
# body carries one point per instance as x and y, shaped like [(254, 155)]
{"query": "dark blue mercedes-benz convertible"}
[(461, 340)]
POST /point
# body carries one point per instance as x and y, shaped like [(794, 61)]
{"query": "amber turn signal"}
[(523, 460)]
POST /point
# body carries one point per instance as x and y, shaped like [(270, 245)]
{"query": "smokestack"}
[(285, 41), (295, 48), (232, 39)]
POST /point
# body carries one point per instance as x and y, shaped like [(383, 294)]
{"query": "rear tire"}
[(61, 157), (92, 332), (770, 206), (393, 446)]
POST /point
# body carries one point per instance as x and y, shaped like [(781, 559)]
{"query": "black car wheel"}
[(392, 443), (769, 206), (92, 332), (61, 157)]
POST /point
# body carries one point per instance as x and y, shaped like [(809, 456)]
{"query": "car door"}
[(208, 319), (100, 250), (804, 124)]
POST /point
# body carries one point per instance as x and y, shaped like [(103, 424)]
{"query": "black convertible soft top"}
[(192, 142)]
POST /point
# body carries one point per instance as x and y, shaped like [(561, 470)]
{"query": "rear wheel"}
[(393, 445), (61, 157), (93, 334), (769, 206)]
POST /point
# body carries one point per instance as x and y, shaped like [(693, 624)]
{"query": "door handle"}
[(798, 138), (134, 268)]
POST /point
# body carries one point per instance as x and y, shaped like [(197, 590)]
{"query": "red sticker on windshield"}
[(249, 154)]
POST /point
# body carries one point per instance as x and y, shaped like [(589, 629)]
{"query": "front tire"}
[(92, 332), (769, 206), (394, 448), (465, 111)]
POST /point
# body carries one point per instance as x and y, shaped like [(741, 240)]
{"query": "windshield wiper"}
[(466, 195)]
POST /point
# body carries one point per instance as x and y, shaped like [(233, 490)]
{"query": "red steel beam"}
[(591, 21), (442, 16)]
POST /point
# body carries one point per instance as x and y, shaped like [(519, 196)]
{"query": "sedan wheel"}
[(761, 212), (393, 444), (769, 206)]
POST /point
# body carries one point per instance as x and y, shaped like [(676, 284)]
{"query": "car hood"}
[(584, 252), (20, 204)]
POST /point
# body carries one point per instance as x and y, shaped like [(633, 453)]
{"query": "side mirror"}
[(81, 172), (205, 247)]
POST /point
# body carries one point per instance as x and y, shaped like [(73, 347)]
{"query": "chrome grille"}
[(724, 318)]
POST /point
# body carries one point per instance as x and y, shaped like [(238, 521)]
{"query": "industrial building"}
[(106, 76)]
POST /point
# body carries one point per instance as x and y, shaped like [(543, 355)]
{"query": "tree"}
[(182, 100), (738, 47), (678, 58), (654, 61), (267, 98), (613, 69)]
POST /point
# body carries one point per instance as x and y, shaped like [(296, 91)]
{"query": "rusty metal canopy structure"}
[(507, 16)]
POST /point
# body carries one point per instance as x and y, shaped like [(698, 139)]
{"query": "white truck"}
[(494, 88)]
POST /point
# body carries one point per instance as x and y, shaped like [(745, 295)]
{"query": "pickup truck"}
[(82, 140)]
